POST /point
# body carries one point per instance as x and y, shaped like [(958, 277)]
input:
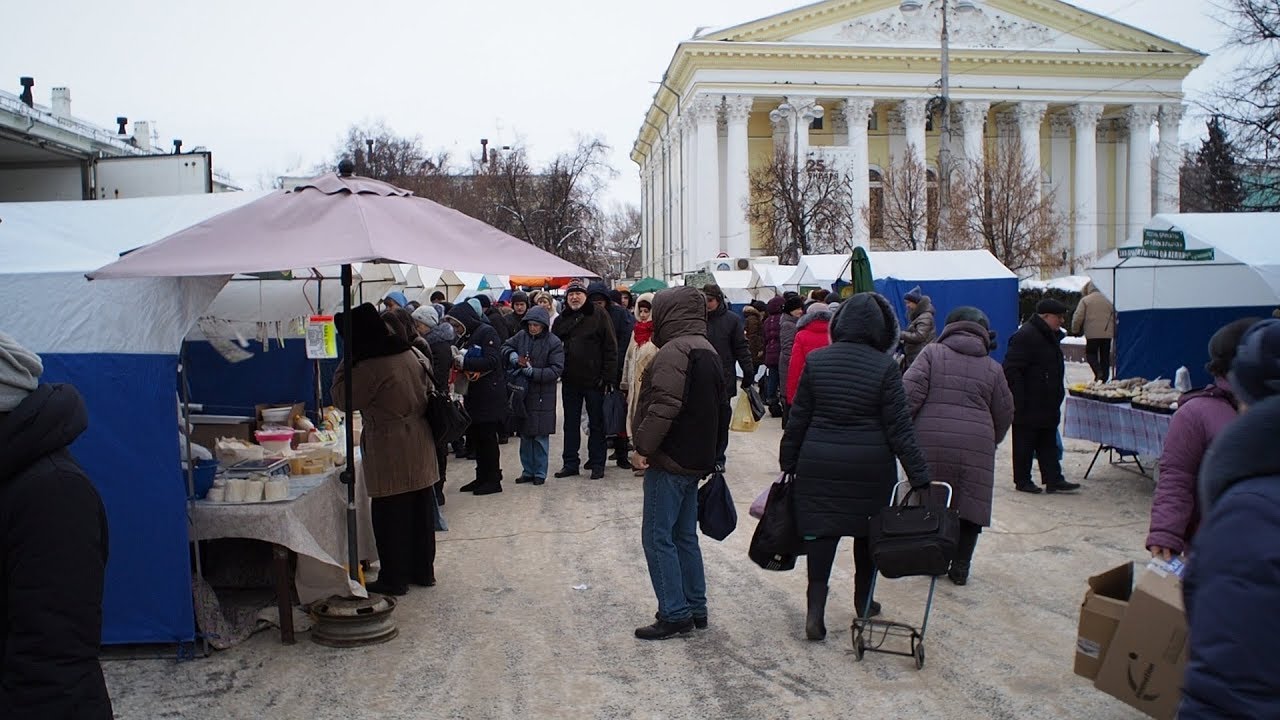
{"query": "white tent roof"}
[(774, 277), (738, 285), (824, 270), (1245, 271)]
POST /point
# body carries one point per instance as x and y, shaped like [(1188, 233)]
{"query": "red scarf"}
[(643, 332)]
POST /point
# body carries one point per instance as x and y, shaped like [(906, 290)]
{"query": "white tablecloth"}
[(312, 523)]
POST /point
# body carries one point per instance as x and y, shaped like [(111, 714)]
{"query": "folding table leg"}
[(284, 592), (1095, 460)]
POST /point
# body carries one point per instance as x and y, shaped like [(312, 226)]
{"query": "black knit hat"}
[(519, 296), (1255, 374), (713, 290), (1223, 345), (793, 303), (1050, 306), (485, 301)]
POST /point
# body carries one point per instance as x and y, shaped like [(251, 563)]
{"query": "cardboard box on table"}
[(1132, 640)]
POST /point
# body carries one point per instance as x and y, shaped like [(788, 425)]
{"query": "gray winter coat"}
[(962, 409), (787, 339), (921, 330), (546, 358), (849, 425)]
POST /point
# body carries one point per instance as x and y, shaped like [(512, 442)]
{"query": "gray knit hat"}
[(20, 371), (427, 315)]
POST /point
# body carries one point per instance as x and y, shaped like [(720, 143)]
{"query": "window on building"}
[(876, 210), (816, 124), (873, 122)]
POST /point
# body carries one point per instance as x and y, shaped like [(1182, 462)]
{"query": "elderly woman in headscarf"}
[(389, 388), (962, 408)]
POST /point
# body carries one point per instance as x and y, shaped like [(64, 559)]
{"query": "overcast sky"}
[(270, 85)]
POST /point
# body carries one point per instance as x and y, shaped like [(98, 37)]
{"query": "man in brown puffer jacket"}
[(681, 417)]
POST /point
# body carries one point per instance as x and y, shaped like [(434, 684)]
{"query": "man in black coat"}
[(623, 324), (590, 367), (53, 551), (1036, 372), (729, 338)]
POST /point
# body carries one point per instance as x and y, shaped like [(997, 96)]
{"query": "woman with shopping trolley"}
[(849, 426)]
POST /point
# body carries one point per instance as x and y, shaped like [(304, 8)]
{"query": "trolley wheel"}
[(919, 655), (859, 647)]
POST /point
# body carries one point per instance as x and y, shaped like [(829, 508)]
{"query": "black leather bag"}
[(913, 540), (776, 543), (447, 417), (758, 408)]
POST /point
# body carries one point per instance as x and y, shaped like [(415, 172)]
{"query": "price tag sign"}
[(322, 338)]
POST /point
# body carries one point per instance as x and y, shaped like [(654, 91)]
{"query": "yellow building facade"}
[(1096, 105)]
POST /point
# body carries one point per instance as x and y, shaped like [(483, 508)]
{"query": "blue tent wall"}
[(130, 452), (1155, 343), (997, 297), (277, 376)]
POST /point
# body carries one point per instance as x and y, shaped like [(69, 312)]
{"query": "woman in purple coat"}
[(1201, 415), (962, 408)]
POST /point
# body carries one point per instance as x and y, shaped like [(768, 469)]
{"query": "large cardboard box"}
[(1144, 664), (1104, 604)]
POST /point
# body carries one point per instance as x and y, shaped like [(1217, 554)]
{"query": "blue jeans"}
[(574, 397), (533, 455), (771, 383), (669, 534)]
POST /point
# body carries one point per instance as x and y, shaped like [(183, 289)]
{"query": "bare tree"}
[(905, 218), (1249, 100), (801, 211), (998, 206), (619, 231)]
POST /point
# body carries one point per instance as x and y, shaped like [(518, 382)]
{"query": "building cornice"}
[(696, 55)]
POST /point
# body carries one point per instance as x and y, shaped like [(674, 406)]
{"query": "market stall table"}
[(1116, 427), (311, 523)]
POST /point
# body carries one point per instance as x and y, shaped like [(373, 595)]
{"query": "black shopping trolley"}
[(907, 540)]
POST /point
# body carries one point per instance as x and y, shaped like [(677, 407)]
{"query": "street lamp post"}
[(796, 114), (944, 135)]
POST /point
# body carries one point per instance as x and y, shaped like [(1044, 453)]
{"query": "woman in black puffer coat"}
[(849, 425), (486, 396)]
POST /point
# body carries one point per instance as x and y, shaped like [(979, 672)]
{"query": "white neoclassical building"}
[(1095, 103)]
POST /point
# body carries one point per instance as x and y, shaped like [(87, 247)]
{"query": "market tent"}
[(647, 285), (736, 285), (951, 278), (771, 279), (118, 344), (1167, 310), (818, 271)]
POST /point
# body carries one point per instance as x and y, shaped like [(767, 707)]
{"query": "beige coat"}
[(398, 448), (638, 358), (1095, 315)]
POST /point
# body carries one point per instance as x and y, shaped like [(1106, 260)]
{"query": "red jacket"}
[(811, 334)]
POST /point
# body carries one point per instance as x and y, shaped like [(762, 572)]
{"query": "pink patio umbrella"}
[(338, 219)]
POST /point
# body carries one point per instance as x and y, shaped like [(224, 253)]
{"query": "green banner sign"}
[(1162, 240), (1201, 255)]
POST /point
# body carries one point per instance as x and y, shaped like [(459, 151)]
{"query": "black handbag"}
[(717, 517), (758, 408), (517, 389), (615, 413), (776, 543), (914, 540), (447, 417)]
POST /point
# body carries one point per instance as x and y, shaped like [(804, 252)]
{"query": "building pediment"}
[(1046, 25), (985, 28)]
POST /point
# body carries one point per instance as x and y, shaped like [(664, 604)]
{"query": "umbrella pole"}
[(349, 475)]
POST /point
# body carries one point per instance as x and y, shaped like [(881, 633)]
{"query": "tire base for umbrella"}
[(346, 622)]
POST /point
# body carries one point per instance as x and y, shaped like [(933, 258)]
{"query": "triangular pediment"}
[(1043, 25)]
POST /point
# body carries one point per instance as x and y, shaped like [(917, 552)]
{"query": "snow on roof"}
[(919, 265), (1069, 283), (82, 235)]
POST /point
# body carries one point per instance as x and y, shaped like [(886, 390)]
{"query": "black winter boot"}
[(959, 570), (622, 448), (815, 627)]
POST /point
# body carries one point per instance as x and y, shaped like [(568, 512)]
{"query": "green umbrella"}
[(648, 285), (860, 271)]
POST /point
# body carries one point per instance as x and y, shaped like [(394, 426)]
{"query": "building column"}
[(857, 113), (1116, 132), (1168, 187), (1140, 118), (737, 109), (1060, 173), (914, 114), (705, 111), (973, 119), (897, 136), (1085, 120), (1029, 116)]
